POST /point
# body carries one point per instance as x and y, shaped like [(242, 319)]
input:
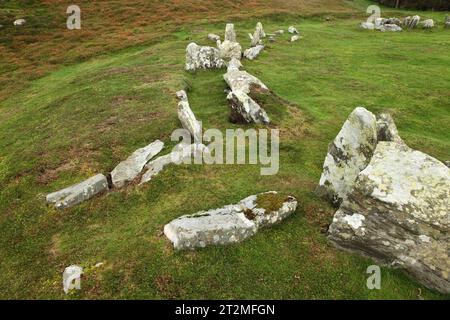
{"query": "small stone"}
[(230, 34), (428, 24), (293, 30), (20, 22)]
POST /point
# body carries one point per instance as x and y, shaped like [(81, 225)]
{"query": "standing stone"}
[(279, 32), (187, 117), (128, 170), (260, 29), (202, 57), (428, 24), (229, 224), (293, 30), (230, 34), (398, 213), (348, 154), (252, 53), (411, 23), (391, 27), (229, 50), (78, 193)]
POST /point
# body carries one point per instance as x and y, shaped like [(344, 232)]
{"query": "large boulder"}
[(253, 52), (260, 30), (293, 30), (391, 27), (187, 117), (229, 50), (428, 24), (78, 193), (231, 223), (367, 25), (348, 154), (398, 213), (202, 57), (128, 170)]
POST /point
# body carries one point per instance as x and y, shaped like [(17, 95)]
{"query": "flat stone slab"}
[(231, 223), (78, 193), (128, 170), (253, 52)]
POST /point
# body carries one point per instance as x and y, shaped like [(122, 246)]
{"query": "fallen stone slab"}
[(239, 80), (348, 154), (253, 52), (260, 29), (386, 129), (398, 213), (293, 30), (202, 57), (295, 38), (78, 193), (187, 117), (231, 223), (128, 170)]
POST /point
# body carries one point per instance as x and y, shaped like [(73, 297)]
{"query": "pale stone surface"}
[(260, 30), (202, 57), (128, 170), (20, 22), (213, 37), (245, 110), (229, 50), (293, 30), (239, 80), (226, 225), (279, 32), (230, 34), (295, 38), (399, 214), (367, 25), (411, 23), (253, 52), (391, 27), (386, 129), (78, 193), (348, 154), (187, 117), (428, 24)]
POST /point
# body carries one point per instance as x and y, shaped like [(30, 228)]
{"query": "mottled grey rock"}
[(447, 163), (234, 64), (230, 34), (245, 110), (253, 52), (239, 80), (348, 154), (293, 30), (295, 38), (428, 24), (229, 50), (187, 117), (202, 57), (213, 37), (20, 22), (386, 129), (398, 213), (391, 27), (128, 170), (378, 23), (396, 21), (78, 193), (367, 25), (226, 225), (411, 23)]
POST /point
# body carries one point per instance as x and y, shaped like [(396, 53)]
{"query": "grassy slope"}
[(87, 117)]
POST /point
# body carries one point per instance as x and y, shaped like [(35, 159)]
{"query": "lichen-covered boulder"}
[(128, 170), (279, 32), (386, 129), (229, 50), (239, 80), (202, 57), (231, 223), (411, 22), (187, 117), (348, 154), (428, 24), (78, 193), (253, 52), (398, 213)]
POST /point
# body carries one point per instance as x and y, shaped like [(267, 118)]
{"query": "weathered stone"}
[(271, 38), (386, 129), (295, 38), (128, 170), (411, 23), (255, 40), (213, 37), (348, 154), (293, 30), (230, 34), (20, 22), (229, 50), (252, 53), (187, 117), (279, 32), (202, 57), (428, 24), (399, 214), (229, 224), (239, 80), (245, 110), (447, 21), (260, 29), (78, 193), (367, 25), (391, 27), (379, 22)]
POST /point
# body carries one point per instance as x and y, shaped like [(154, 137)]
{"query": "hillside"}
[(77, 103)]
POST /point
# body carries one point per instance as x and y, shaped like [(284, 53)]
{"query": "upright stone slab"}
[(202, 57), (187, 117), (231, 223), (230, 34), (128, 170), (78, 193), (398, 213), (348, 154)]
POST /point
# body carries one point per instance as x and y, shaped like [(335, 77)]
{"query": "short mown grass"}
[(85, 118)]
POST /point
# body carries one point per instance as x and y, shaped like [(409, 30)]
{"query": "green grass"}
[(85, 118)]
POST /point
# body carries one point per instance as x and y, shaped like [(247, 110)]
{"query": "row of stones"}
[(395, 24)]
